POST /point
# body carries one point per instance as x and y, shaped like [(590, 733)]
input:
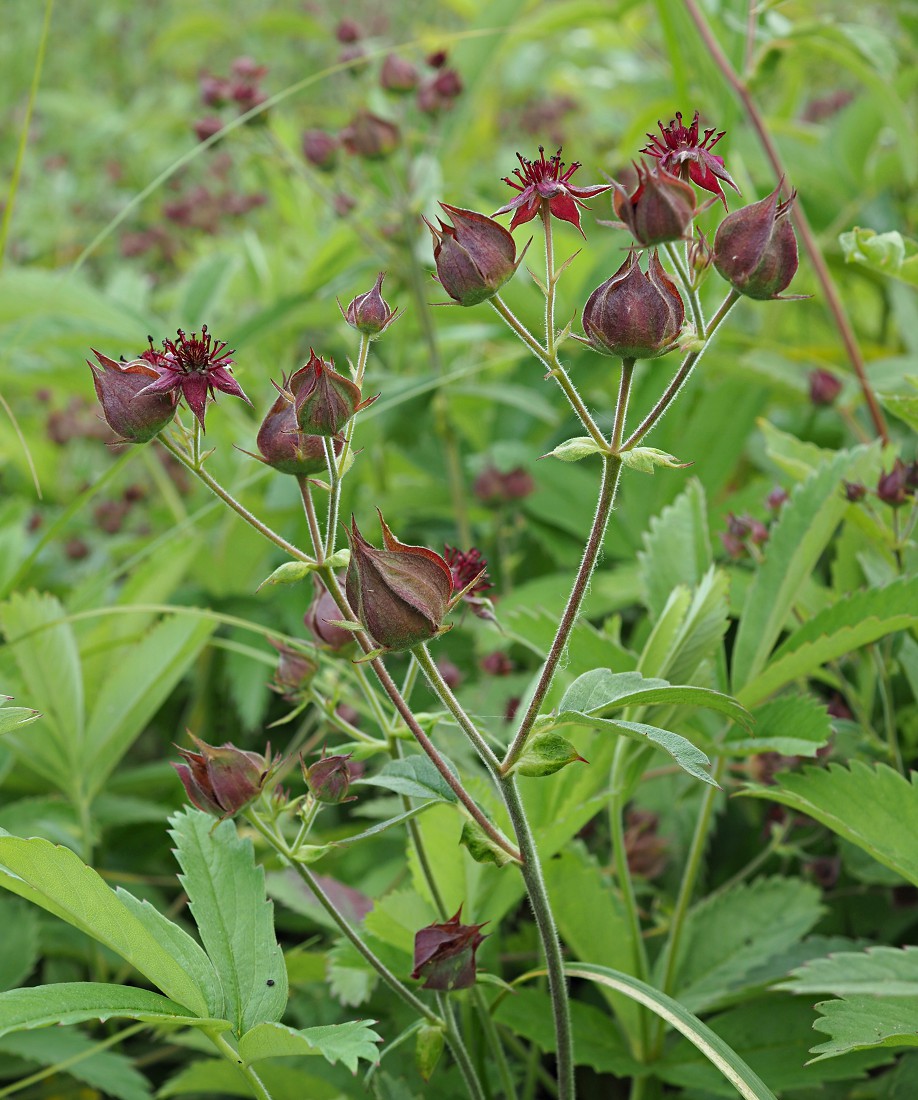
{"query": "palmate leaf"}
[(865, 1023), (798, 538), (226, 894), (729, 935), (57, 880), (851, 622), (874, 808), (335, 1042), (882, 971)]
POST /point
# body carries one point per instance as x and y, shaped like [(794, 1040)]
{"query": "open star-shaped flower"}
[(195, 366), (547, 181), (681, 154)]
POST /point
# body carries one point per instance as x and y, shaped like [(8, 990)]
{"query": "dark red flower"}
[(444, 954), (681, 153), (548, 181), (468, 566), (195, 366)]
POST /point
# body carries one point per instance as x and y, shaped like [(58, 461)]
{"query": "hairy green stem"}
[(545, 212), (227, 497), (232, 1056), (312, 521), (457, 1046), (690, 292), (682, 375), (548, 935), (611, 472), (554, 367), (830, 291)]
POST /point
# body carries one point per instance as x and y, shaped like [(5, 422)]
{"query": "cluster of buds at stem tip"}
[(329, 778), (370, 314), (223, 780), (400, 593), (324, 400), (281, 442), (660, 209), (474, 256), (444, 954), (755, 249), (634, 315), (133, 416)]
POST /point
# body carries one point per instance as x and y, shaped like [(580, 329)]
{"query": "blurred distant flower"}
[(369, 136), (494, 488), (293, 672), (398, 74), (893, 487), (548, 181), (824, 387), (681, 153), (320, 149)]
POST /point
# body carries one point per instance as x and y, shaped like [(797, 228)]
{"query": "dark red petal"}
[(223, 380), (194, 390), (565, 208)]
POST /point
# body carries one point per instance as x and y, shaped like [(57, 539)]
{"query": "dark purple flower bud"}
[(248, 68), (206, 127), (294, 672), (645, 849), (661, 209), (320, 149), (133, 416), (776, 498), (320, 615), (494, 488), (222, 781), (854, 491), (824, 387), (444, 954), (283, 445), (329, 779), (497, 664), (892, 487), (324, 400), (398, 74), (758, 532), (755, 249), (400, 593), (369, 136), (451, 673), (475, 255), (823, 870), (214, 90), (633, 315), (369, 313), (838, 708), (348, 31)]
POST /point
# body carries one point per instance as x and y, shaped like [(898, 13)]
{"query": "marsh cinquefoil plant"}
[(491, 825)]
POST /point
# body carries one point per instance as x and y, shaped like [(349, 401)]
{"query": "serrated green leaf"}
[(685, 754), (211, 1077), (49, 663), (110, 1072), (799, 536), (677, 549), (135, 689), (72, 1002), (186, 951), (864, 1023), (851, 622), (729, 935), (727, 1062), (600, 691), (226, 893), (880, 971), (573, 450), (793, 725), (901, 405), (57, 880), (874, 808), (680, 643), (646, 460), (350, 977), (335, 1042), (796, 457), (415, 776)]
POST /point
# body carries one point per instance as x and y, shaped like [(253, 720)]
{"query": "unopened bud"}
[(329, 779), (444, 954), (633, 315), (661, 209), (222, 781), (398, 74), (320, 149), (321, 614), (133, 418), (369, 313), (824, 387), (369, 136), (281, 443), (324, 400), (475, 255), (755, 249)]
